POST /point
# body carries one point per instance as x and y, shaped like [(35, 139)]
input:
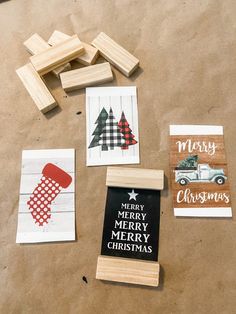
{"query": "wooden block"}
[(135, 178), (57, 55), (36, 44), (36, 88), (57, 37), (60, 69), (88, 58), (88, 76), (128, 270), (115, 54)]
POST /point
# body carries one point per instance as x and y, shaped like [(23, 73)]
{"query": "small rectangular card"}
[(199, 174), (47, 196), (112, 126), (131, 223)]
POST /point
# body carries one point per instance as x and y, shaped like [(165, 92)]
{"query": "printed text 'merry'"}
[(131, 206), (197, 146)]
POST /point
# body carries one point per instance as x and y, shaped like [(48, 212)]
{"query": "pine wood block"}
[(36, 88), (57, 55), (88, 76), (36, 44), (135, 178), (88, 58), (115, 54), (128, 270)]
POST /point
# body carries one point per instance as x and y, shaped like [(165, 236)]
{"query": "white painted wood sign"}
[(199, 172), (112, 126), (47, 196)]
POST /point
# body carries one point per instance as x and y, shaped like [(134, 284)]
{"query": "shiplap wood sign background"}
[(112, 126), (47, 196), (199, 173)]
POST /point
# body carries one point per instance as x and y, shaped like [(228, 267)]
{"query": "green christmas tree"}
[(101, 122), (188, 162)]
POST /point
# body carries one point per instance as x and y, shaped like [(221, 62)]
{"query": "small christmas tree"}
[(111, 135), (101, 121), (126, 131), (189, 162)]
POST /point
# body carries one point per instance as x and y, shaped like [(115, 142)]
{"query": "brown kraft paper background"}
[(187, 51)]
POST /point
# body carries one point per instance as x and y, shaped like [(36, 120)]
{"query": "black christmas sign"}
[(131, 223)]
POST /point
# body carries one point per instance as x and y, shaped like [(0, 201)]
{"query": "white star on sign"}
[(132, 195)]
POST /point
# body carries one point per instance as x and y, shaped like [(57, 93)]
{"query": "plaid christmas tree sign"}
[(110, 141)]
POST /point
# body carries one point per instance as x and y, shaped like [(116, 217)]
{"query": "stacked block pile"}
[(55, 56)]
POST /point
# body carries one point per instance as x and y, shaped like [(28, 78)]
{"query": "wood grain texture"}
[(57, 55), (219, 158), (128, 270), (115, 54), (36, 88), (88, 76), (36, 44), (199, 194), (135, 178), (88, 58)]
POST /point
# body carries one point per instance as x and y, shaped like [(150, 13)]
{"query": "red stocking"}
[(51, 183)]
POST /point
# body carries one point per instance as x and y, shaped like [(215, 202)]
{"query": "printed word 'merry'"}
[(199, 146), (130, 225), (131, 206)]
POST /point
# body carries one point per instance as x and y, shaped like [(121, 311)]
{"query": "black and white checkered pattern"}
[(111, 135)]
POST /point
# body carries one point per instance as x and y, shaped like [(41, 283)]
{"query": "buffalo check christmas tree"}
[(101, 121), (126, 131), (109, 133)]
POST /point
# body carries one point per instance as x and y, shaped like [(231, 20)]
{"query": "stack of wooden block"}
[(54, 56)]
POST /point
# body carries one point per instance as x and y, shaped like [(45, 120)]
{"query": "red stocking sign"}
[(47, 196)]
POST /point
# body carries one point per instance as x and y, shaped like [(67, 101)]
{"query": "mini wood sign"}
[(112, 126), (46, 206), (199, 174), (131, 226)]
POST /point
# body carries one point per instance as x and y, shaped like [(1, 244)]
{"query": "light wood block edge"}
[(128, 270), (135, 178), (61, 69), (88, 58), (57, 55), (117, 55), (36, 44), (88, 76), (36, 87)]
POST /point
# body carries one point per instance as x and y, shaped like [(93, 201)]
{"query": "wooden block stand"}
[(131, 270), (128, 270)]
